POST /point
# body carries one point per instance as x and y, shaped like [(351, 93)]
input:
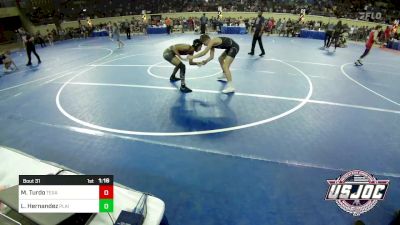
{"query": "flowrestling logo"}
[(368, 15), (356, 191)]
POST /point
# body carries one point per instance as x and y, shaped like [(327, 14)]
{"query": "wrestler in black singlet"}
[(169, 54), (230, 46), (172, 52)]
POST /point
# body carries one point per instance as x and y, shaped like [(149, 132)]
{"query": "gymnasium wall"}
[(9, 12), (7, 27), (74, 24), (9, 21)]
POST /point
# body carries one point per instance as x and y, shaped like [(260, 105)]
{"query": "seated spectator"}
[(289, 28), (7, 61), (40, 39)]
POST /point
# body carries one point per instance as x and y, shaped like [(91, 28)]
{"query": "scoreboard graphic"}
[(66, 193)]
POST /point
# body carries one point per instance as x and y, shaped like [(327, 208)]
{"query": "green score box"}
[(106, 205)]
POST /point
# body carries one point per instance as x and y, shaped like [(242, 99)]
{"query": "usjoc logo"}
[(356, 191)]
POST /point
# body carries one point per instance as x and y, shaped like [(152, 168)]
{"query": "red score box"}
[(106, 191)]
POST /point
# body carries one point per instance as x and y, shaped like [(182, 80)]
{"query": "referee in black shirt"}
[(259, 25), (30, 48)]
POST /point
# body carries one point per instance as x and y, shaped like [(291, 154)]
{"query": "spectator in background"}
[(351, 31), (290, 27), (213, 24), (127, 29), (184, 25), (394, 30), (370, 42), (168, 23), (116, 35), (190, 24), (50, 37), (338, 31), (396, 36), (387, 34), (329, 34), (62, 34), (144, 26), (30, 47), (278, 25), (283, 28), (5, 59), (259, 30), (131, 28), (381, 36), (21, 35), (110, 30), (203, 23), (317, 25), (270, 26), (40, 39), (246, 22)]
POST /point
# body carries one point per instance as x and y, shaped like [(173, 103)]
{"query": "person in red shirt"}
[(368, 45), (270, 25), (190, 23), (386, 35)]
